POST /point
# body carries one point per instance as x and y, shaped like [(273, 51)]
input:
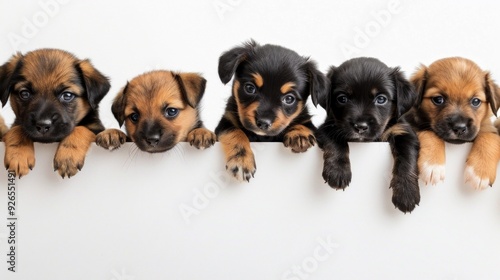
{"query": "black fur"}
[(366, 99)]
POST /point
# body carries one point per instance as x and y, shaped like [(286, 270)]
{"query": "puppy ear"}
[(229, 60), (7, 73), (405, 93), (317, 84), (118, 107), (96, 84), (323, 102), (192, 87), (419, 81), (492, 92)]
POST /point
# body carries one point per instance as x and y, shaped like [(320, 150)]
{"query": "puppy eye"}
[(289, 99), (438, 100), (342, 99), (171, 112), (475, 102), (381, 99), (250, 88), (67, 96), (134, 117), (24, 94)]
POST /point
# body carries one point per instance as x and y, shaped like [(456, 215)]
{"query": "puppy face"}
[(365, 95), (159, 108), (51, 91), (271, 85), (456, 98)]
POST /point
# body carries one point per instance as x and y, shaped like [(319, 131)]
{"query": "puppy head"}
[(159, 108), (364, 96), (271, 85), (455, 99), (51, 91)]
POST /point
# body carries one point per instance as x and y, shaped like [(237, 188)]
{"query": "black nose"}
[(43, 125), (153, 139), (459, 128), (362, 127), (264, 124)]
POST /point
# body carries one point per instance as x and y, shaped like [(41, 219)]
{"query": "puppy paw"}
[(432, 174), (477, 178), (405, 193), (19, 159), (111, 139), (337, 175), (201, 138), (241, 165), (299, 139), (71, 152)]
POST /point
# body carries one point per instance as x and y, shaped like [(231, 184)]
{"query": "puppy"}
[(366, 102), (456, 102), (268, 103), (497, 125), (159, 109), (55, 98)]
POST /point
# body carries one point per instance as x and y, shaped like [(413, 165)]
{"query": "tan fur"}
[(432, 149), (484, 155), (394, 130), (70, 154), (259, 81), (237, 151), (299, 138), (3, 127), (282, 121), (285, 88), (19, 152)]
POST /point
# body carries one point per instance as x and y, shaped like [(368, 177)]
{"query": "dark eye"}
[(475, 102), (380, 99), (249, 88), (67, 96), (438, 100), (134, 117), (342, 99), (24, 94), (289, 99), (171, 112)]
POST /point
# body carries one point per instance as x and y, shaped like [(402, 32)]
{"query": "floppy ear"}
[(7, 72), (492, 93), (419, 82), (118, 107), (96, 84), (192, 87), (229, 60), (325, 101), (317, 84), (405, 92)]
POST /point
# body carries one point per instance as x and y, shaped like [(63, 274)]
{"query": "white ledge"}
[(121, 216)]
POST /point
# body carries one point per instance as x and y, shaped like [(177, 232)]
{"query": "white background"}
[(119, 218)]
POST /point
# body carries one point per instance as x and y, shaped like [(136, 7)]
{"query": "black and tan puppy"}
[(268, 103), (159, 109), (366, 102), (456, 102), (55, 98)]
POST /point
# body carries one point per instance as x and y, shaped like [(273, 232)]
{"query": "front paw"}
[(337, 175), (479, 177), (68, 161), (19, 159), (241, 164), (111, 139), (405, 193), (299, 139), (201, 138), (432, 174)]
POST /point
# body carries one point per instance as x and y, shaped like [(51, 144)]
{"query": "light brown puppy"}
[(456, 103), (55, 98), (159, 109)]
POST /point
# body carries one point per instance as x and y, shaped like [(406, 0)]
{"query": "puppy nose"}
[(153, 139), (362, 127), (264, 124), (459, 128), (43, 125)]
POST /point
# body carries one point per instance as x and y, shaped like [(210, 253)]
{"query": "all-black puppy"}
[(366, 102), (268, 103)]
